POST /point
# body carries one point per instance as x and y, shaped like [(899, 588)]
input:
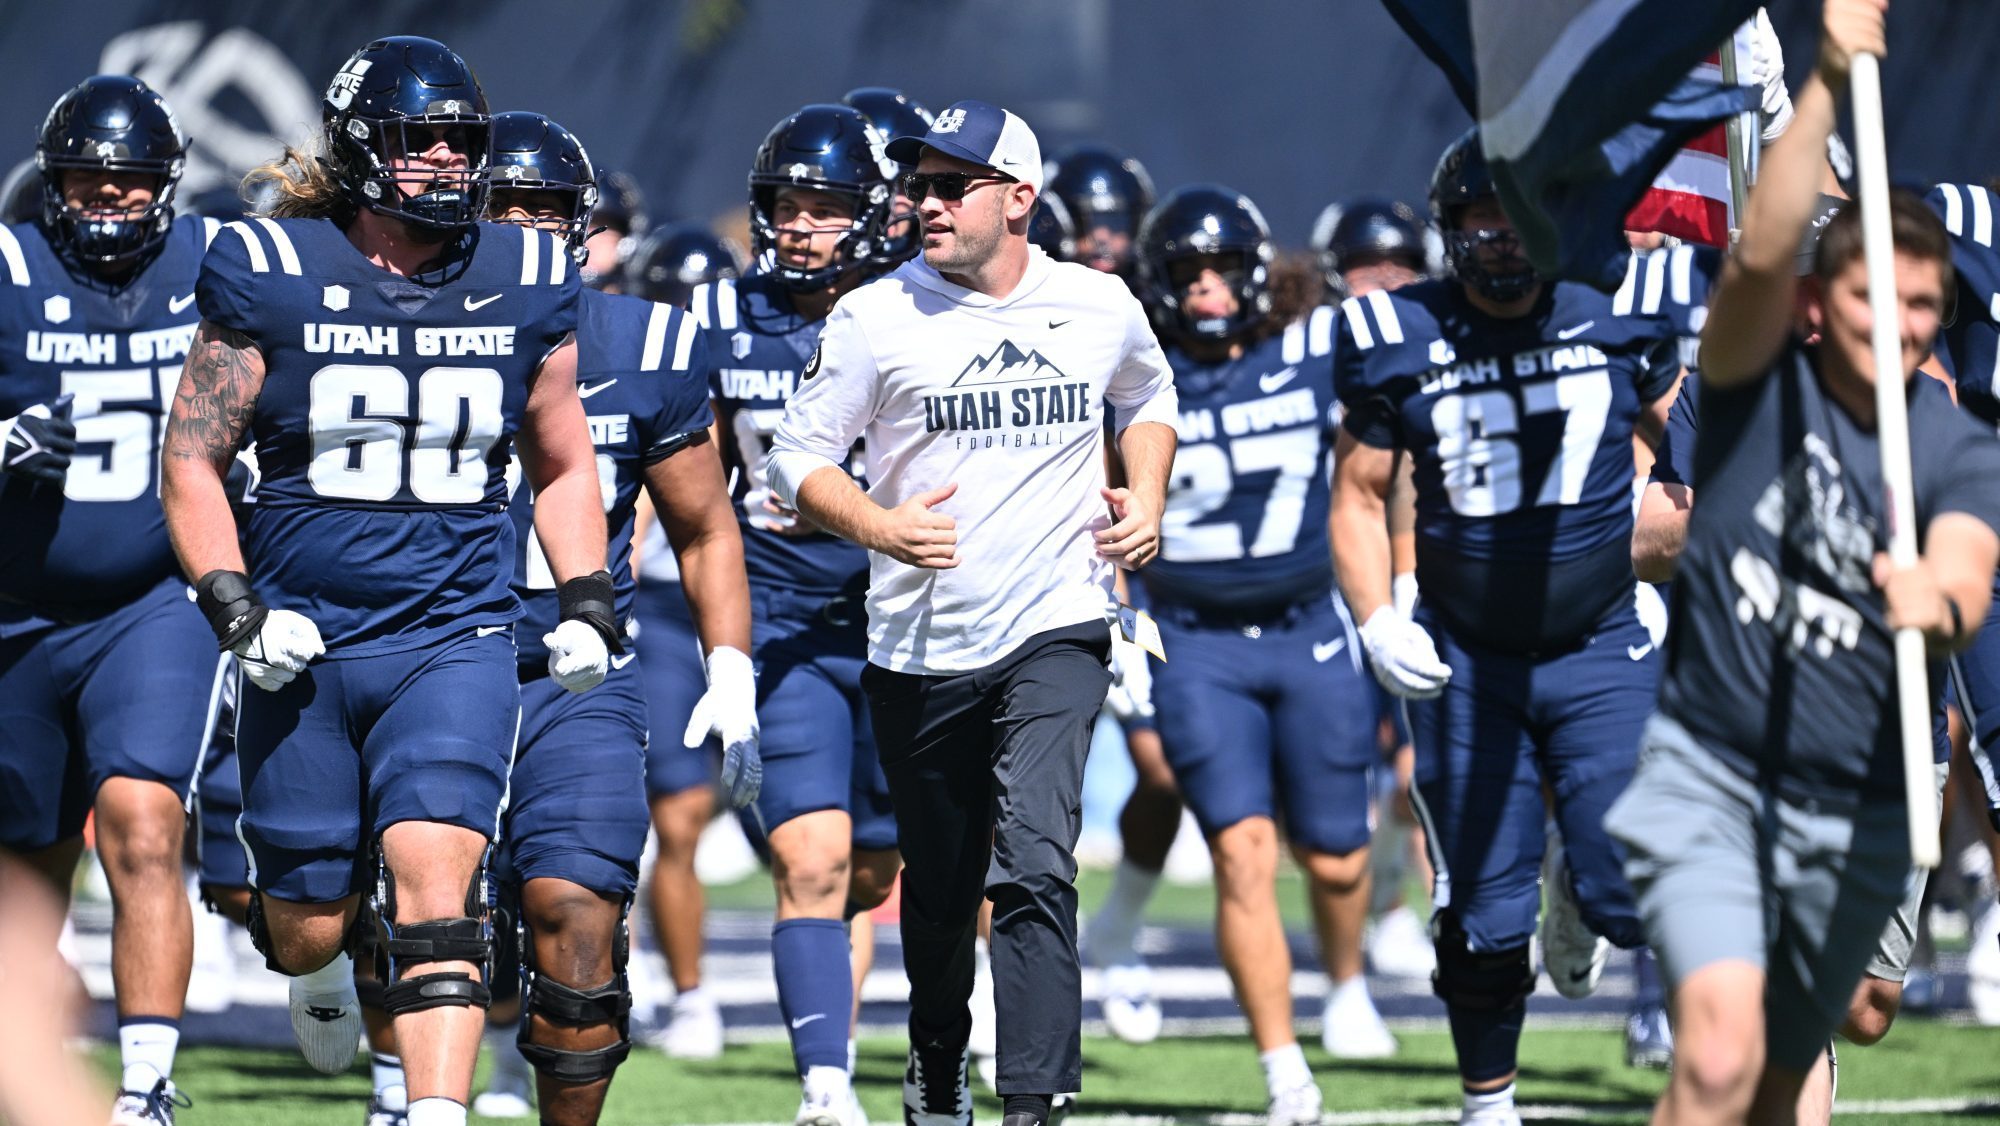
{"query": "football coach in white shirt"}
[(982, 377)]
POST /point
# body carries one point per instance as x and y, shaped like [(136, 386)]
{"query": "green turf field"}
[(1926, 1071)]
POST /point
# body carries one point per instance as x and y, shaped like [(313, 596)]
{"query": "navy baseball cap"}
[(982, 133)]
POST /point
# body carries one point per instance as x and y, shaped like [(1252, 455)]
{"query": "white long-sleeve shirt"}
[(1007, 398)]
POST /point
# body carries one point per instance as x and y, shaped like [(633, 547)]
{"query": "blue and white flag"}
[(1580, 104)]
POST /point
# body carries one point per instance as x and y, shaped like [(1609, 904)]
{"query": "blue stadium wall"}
[(1294, 102)]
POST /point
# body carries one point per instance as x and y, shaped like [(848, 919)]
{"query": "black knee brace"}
[(610, 1003), (466, 939), (1470, 979)]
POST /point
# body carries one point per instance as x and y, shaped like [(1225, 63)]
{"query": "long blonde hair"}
[(298, 185)]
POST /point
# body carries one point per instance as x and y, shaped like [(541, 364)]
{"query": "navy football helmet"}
[(676, 258), (892, 112), (895, 114), (832, 149), (534, 154), (1462, 179), (1185, 234), (1105, 191), (1361, 231), (1050, 228), (110, 123), (381, 91), (621, 206)]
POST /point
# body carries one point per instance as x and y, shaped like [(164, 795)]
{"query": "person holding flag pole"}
[(1785, 784)]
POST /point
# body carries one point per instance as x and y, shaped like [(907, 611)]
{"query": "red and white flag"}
[(1690, 198)]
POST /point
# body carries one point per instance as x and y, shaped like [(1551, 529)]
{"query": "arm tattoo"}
[(217, 396)]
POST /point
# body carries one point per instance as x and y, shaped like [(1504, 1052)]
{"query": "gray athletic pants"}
[(985, 770)]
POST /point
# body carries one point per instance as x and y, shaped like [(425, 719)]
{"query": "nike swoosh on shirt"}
[(1323, 651), (1276, 379), (1053, 325), (621, 662), (487, 631), (471, 305), (587, 391), (176, 304), (1565, 334)]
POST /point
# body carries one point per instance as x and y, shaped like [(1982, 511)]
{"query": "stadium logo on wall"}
[(235, 90)]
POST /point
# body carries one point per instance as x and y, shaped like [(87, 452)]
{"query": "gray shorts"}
[(1726, 872), (1892, 954)]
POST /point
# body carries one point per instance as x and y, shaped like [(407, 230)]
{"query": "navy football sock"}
[(815, 989), (1488, 1040)]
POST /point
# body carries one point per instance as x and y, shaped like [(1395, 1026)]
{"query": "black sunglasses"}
[(949, 186)]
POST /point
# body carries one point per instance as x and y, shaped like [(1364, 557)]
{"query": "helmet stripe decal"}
[(531, 255), (287, 257), (10, 251), (684, 344), (656, 339), (259, 264)]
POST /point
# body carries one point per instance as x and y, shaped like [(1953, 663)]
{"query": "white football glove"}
[(1403, 656), (279, 649), (1403, 593), (578, 659), (1131, 694), (728, 711), (1764, 66)]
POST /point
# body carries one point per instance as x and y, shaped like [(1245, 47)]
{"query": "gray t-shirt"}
[(1779, 656)]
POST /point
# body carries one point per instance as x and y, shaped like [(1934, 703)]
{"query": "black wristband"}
[(590, 599), (233, 610)]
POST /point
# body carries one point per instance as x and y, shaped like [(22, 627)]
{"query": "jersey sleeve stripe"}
[(1293, 348), (259, 263), (1319, 331), (1982, 216), (1385, 316), (1954, 209), (287, 257), (1621, 303), (725, 304), (1357, 323), (698, 303), (1656, 282), (656, 339), (10, 252), (1682, 280), (210, 227), (684, 343), (558, 260), (531, 255)]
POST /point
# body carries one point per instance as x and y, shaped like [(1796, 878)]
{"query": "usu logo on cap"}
[(982, 133)]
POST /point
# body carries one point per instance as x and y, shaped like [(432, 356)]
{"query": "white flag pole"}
[(1892, 428), (1738, 135)]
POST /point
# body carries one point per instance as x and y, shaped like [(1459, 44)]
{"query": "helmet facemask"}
[(447, 199)]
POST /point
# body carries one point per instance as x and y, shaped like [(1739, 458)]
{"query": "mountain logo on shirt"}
[(1007, 364)]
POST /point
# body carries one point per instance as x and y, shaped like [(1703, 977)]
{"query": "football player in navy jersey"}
[(1107, 194), (1526, 661), (1264, 704), (673, 260), (821, 197), (385, 351), (106, 679), (576, 819)]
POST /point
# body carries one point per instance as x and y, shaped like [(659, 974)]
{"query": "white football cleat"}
[(1351, 1028), (1573, 954), (694, 1027), (326, 1016), (828, 1100), (1131, 1010), (148, 1108), (1492, 1116), (1400, 946), (1296, 1106)]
